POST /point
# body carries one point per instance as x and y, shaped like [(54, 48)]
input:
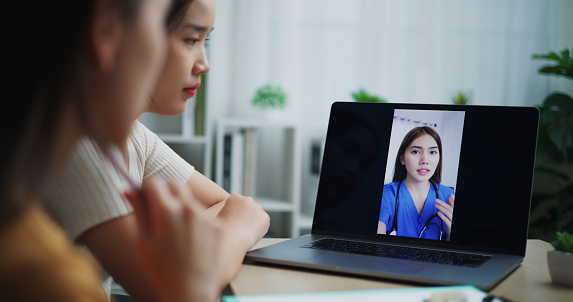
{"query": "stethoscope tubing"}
[(395, 223)]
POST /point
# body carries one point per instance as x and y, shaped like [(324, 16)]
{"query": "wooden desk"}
[(529, 282)]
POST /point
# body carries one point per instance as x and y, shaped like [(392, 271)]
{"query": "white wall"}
[(404, 50), (421, 51)]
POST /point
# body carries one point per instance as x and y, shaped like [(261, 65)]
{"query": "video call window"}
[(418, 197)]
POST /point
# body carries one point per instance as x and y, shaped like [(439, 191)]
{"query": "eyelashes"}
[(193, 42), (418, 152)]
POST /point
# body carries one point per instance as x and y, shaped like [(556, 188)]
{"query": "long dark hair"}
[(45, 58), (400, 170), (176, 13), (44, 62)]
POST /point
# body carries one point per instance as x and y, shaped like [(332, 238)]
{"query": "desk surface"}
[(529, 282)]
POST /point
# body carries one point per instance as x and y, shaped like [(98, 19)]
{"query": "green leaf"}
[(269, 96), (553, 70), (549, 56), (557, 116), (461, 98), (547, 152), (563, 242), (566, 58), (363, 96), (564, 62)]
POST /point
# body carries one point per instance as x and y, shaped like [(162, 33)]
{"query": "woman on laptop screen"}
[(413, 203)]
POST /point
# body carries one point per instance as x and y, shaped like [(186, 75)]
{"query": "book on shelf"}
[(316, 150), (250, 163), (237, 162), (200, 107), (227, 162), (240, 162)]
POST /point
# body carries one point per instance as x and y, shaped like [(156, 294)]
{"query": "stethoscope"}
[(428, 222)]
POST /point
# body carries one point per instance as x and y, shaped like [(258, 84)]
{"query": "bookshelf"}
[(279, 167)]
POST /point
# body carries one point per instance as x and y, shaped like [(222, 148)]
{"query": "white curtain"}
[(421, 51)]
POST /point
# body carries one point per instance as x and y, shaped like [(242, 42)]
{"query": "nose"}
[(423, 159), (202, 65)]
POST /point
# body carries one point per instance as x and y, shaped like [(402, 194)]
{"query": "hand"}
[(178, 245), (448, 210), (243, 214)]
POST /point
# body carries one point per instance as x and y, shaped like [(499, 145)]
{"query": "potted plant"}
[(363, 96), (560, 259), (270, 99), (552, 200), (461, 98)]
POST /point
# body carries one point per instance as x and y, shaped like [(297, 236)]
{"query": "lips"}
[(423, 172), (191, 91)]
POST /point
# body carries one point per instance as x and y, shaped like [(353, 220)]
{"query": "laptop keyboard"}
[(399, 252)]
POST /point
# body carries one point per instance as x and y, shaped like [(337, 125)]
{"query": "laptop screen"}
[(429, 174)]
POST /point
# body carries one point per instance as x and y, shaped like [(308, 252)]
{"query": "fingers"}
[(177, 229), (451, 200), (446, 212), (445, 208), (158, 200), (161, 201), (447, 220), (243, 214)]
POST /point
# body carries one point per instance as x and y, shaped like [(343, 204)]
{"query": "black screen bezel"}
[(495, 177)]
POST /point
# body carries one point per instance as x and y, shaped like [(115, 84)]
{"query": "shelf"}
[(261, 123), (179, 139), (274, 205), (279, 165)]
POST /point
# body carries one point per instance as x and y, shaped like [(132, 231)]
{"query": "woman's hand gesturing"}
[(178, 244), (446, 212)]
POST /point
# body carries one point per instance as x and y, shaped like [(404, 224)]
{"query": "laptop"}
[(376, 153)]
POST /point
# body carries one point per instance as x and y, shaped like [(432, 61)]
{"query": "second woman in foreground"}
[(87, 198)]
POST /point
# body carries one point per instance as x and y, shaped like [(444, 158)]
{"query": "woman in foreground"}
[(90, 77), (87, 196)]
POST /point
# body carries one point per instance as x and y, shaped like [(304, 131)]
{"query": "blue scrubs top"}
[(409, 223)]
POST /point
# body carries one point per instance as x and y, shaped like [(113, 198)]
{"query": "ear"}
[(105, 34), (402, 160)]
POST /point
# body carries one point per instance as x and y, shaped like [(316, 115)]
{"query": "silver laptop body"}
[(488, 155)]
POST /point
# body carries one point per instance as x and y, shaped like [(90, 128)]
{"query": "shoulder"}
[(139, 128), (86, 149), (143, 139), (140, 133), (445, 189), (390, 188), (393, 185), (86, 190), (61, 272), (155, 157), (85, 159)]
